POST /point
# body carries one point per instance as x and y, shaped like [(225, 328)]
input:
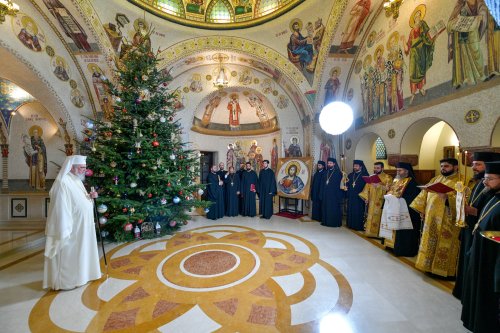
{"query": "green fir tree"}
[(144, 173)]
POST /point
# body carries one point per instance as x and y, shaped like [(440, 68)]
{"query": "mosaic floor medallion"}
[(219, 278)]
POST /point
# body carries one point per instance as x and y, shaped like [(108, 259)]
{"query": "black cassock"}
[(407, 241), (317, 182), (232, 186), (216, 195), (267, 189), (222, 175), (355, 205), (481, 286), (477, 200), (249, 178), (332, 198), (239, 173)]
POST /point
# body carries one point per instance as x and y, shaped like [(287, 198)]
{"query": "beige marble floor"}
[(282, 276)]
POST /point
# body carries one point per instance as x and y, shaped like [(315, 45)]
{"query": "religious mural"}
[(234, 111), (71, 27), (293, 150), (303, 49), (60, 68), (293, 177), (354, 27), (28, 32), (35, 154), (100, 89), (411, 62)]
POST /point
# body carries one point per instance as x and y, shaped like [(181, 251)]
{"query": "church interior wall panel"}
[(30, 117), (391, 37), (43, 58), (452, 112)]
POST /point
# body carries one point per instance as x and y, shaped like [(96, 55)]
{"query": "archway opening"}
[(428, 141), (371, 148)]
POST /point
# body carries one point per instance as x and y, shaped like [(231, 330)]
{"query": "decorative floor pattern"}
[(221, 278)]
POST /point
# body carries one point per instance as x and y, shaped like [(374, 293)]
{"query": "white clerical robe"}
[(71, 256)]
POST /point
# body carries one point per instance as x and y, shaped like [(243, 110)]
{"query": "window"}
[(220, 12), (172, 7), (380, 151)]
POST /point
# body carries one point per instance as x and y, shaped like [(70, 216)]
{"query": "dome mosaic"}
[(218, 14)]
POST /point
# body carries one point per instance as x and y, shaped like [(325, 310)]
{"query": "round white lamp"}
[(336, 118)]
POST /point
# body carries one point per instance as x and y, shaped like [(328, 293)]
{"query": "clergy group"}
[(439, 223), (234, 193)]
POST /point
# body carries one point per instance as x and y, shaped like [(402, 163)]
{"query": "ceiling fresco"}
[(235, 111), (218, 14)]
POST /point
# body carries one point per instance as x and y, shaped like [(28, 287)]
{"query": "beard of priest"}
[(71, 256), (439, 246)]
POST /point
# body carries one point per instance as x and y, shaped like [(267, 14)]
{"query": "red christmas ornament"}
[(155, 143), (168, 184), (155, 135), (180, 192), (140, 221), (89, 173), (150, 195), (128, 227), (125, 210), (86, 139)]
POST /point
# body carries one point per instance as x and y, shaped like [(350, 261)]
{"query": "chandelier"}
[(221, 80), (392, 8), (7, 7)]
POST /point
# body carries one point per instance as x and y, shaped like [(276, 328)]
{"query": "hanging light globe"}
[(336, 118)]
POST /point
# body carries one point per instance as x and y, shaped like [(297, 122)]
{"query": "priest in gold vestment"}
[(439, 246), (405, 241), (373, 194)]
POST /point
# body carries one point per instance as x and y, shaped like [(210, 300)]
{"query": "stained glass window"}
[(220, 12), (380, 151), (264, 7), (229, 13), (172, 7)]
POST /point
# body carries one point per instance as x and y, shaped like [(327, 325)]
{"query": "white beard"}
[(81, 176)]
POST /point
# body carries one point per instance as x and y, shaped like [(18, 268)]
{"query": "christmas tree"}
[(144, 174)]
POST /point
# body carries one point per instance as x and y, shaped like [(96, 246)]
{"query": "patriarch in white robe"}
[(71, 256)]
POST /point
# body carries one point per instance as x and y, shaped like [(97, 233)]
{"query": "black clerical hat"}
[(322, 163), (331, 159), (404, 165), (493, 167), (452, 161), (359, 162), (267, 161), (486, 156)]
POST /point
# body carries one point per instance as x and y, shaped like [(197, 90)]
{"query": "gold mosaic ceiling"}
[(218, 14)]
